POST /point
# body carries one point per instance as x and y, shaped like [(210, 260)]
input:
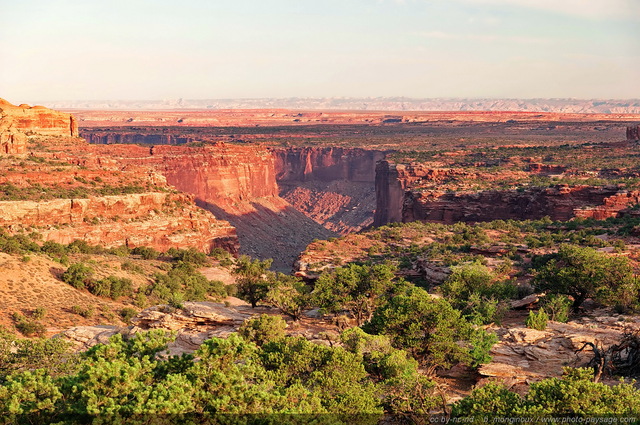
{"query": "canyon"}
[(271, 198), (288, 192), (333, 186), (56, 186)]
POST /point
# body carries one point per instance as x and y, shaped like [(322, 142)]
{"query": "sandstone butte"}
[(17, 122), (156, 215)]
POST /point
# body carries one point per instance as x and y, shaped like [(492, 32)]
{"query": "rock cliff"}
[(397, 202), (16, 122), (236, 183), (66, 190), (326, 164), (157, 220), (333, 186)]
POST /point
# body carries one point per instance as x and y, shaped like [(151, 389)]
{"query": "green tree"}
[(537, 320), (18, 355), (334, 375), (358, 289), (583, 272), (263, 329), (405, 392), (289, 294), (430, 329), (575, 394), (477, 292), (253, 279)]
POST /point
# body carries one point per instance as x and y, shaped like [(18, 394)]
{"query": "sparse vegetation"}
[(127, 314), (84, 311), (28, 327), (537, 321)]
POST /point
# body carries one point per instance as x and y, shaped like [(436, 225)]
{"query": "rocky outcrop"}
[(612, 206), (84, 337), (559, 203), (633, 132), (193, 324), (397, 202), (524, 355), (157, 220), (538, 168), (16, 122), (333, 186), (191, 316), (394, 180)]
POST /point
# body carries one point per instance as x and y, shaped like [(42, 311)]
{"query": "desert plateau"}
[(364, 212)]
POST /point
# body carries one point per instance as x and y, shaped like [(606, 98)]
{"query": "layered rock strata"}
[(333, 186), (157, 220), (122, 137), (16, 122), (397, 201), (236, 183)]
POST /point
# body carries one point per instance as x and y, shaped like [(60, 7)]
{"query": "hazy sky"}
[(164, 49)]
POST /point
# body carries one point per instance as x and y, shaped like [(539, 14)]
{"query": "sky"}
[(221, 49)]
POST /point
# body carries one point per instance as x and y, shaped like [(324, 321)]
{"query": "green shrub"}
[(583, 272), (141, 300), (127, 314), (190, 255), (430, 329), (101, 288), (28, 327), (145, 252), (263, 329), (219, 254), (53, 248), (85, 312), (557, 307), (121, 251), (478, 293), (78, 275), (120, 287), (537, 320), (131, 267), (111, 286), (39, 313), (82, 247)]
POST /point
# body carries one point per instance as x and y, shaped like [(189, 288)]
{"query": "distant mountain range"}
[(602, 106)]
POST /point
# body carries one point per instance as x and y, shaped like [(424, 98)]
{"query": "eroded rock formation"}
[(333, 186), (398, 202), (16, 122), (633, 132), (236, 183), (157, 220), (524, 355), (326, 164)]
